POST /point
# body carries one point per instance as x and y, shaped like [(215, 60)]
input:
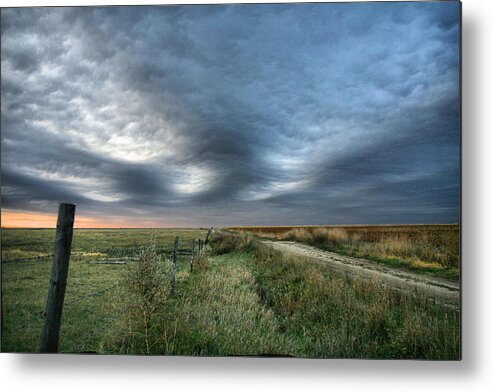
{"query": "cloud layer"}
[(243, 114)]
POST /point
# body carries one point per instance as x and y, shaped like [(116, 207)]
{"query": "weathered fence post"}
[(207, 237), (200, 246), (193, 255), (173, 267), (58, 281)]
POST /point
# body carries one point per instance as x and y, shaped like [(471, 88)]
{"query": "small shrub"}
[(201, 262), (144, 278), (319, 235), (225, 243), (298, 234), (336, 235), (146, 291)]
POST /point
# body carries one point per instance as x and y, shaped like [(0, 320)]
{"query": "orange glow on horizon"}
[(36, 220)]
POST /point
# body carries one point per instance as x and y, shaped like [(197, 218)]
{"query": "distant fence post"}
[(200, 246), (173, 267), (207, 237), (58, 280), (193, 255)]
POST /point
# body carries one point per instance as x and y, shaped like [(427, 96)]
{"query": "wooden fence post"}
[(193, 255), (173, 267), (200, 246), (207, 237), (58, 280)]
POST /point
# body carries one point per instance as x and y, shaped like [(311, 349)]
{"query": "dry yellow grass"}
[(425, 247)]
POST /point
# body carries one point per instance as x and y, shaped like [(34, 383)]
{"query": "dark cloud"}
[(241, 114)]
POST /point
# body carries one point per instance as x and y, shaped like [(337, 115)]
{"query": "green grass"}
[(87, 318), (242, 299), (215, 311), (254, 301), (337, 317), (20, 243)]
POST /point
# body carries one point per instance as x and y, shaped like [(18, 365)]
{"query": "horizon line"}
[(236, 226)]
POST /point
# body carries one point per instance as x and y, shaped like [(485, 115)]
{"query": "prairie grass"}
[(86, 316), (109, 242), (201, 262), (222, 244), (215, 311), (334, 316), (431, 249), (248, 300), (145, 287), (90, 308), (260, 302)]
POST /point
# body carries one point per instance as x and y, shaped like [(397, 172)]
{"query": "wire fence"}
[(31, 322), (118, 253), (79, 298), (168, 253), (27, 259), (93, 294), (69, 303)]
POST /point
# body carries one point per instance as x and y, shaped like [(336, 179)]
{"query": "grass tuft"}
[(227, 243), (146, 291), (201, 262)]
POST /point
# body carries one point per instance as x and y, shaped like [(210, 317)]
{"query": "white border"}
[(120, 373)]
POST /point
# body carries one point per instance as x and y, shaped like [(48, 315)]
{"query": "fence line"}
[(32, 321), (173, 266), (42, 316), (185, 252), (77, 255), (93, 294), (26, 259), (56, 293)]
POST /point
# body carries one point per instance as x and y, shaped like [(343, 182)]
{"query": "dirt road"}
[(441, 291)]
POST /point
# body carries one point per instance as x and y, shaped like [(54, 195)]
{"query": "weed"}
[(146, 287), (227, 243), (201, 262)]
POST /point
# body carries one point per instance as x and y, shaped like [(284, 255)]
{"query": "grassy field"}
[(27, 243), (240, 299), (94, 296), (431, 249)]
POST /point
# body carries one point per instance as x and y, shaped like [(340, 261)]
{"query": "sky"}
[(287, 114)]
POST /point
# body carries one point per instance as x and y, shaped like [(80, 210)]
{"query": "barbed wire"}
[(26, 259), (164, 251), (32, 321), (42, 316), (93, 294)]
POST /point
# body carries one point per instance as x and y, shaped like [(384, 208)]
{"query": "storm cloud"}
[(234, 115)]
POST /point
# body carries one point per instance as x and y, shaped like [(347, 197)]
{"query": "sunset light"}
[(11, 219)]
